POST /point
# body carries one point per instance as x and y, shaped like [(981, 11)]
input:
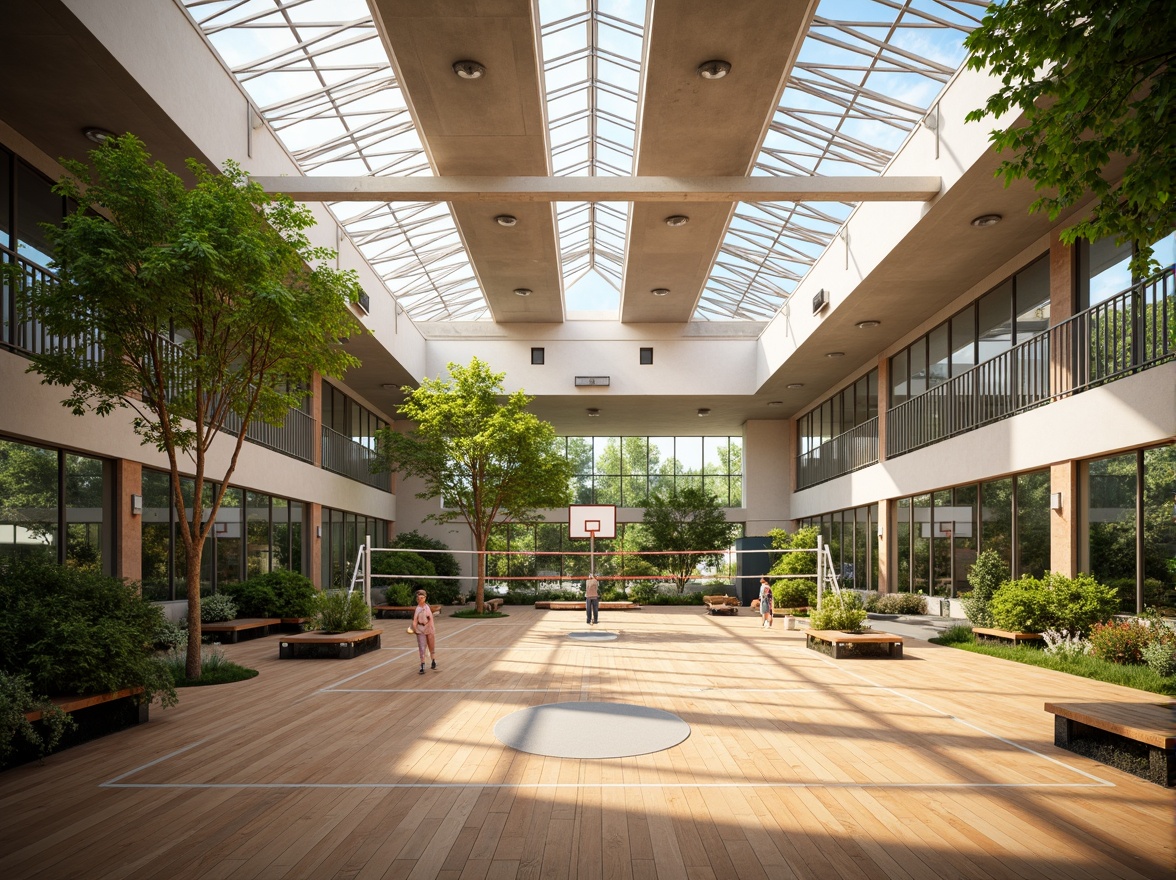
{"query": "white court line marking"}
[(922, 786), (449, 690), (400, 656)]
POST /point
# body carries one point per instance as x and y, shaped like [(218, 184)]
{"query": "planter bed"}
[(231, 631), (401, 612), (579, 606), (1139, 738), (852, 644), (335, 646), (95, 715), (1003, 635)]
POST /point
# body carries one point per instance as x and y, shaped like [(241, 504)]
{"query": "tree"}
[(679, 524), (1094, 80), (487, 459), (206, 309)]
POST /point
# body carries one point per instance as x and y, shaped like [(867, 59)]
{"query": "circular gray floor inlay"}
[(593, 636), (590, 730)]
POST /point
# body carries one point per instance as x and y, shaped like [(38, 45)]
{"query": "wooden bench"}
[(1004, 635), (839, 640), (1139, 738), (580, 606), (400, 611), (342, 646), (76, 704), (230, 630), (721, 604)]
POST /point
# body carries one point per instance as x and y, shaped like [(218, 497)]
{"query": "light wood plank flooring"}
[(938, 765)]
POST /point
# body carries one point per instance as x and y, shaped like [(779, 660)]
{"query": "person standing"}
[(765, 598), (592, 598), (426, 633)]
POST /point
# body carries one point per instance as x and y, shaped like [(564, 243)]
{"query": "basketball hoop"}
[(592, 521)]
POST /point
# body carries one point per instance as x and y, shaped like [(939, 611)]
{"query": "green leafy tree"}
[(1094, 81), (487, 458), (207, 310), (678, 525), (793, 564)]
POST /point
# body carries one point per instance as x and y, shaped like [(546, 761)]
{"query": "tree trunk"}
[(193, 556)]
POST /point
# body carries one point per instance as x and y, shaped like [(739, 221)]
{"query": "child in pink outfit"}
[(422, 625)]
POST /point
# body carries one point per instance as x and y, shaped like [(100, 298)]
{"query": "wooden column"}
[(128, 554), (314, 556), (1062, 305), (883, 405), (1063, 523), (885, 506), (316, 413)]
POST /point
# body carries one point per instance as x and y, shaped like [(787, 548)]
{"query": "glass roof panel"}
[(320, 77), (865, 75)]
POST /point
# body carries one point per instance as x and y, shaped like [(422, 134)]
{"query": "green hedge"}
[(1054, 601), (274, 594)]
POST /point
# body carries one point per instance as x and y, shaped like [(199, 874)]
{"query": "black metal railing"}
[(23, 333), (1129, 332), (849, 451), (342, 455)]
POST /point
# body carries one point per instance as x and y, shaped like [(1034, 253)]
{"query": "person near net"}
[(765, 598), (592, 598), (426, 633)]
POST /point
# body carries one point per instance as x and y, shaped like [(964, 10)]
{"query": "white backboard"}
[(592, 520)]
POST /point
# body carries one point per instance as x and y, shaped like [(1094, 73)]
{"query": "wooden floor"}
[(938, 765)]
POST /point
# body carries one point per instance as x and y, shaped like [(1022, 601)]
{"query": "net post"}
[(367, 569), (820, 570)]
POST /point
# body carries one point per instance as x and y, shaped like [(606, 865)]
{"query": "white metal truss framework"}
[(320, 76), (592, 76), (867, 73)]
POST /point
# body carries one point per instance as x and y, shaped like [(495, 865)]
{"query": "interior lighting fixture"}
[(660, 291), (388, 386), (714, 69), (97, 135), (794, 385), (522, 291), (593, 412), (469, 69), (986, 220), (703, 412), (776, 402), (506, 220), (867, 325), (676, 220), (834, 354)]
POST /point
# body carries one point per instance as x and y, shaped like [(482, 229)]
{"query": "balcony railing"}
[(1129, 332), (25, 334), (344, 456), (856, 448)]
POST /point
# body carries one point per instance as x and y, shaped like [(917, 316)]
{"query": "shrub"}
[(170, 634), (796, 563), (447, 591), (897, 603), (253, 598), (955, 635), (340, 611), (294, 595), (1052, 602), (16, 698), (399, 593), (1120, 641), (410, 569), (1160, 657), (76, 631), (675, 599), (794, 592), (1064, 644), (985, 576), (643, 592), (839, 612), (217, 608)]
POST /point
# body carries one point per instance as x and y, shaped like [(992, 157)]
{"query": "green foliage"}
[(487, 458), (218, 608), (1093, 81), (215, 668), (446, 591), (294, 594), (675, 598), (404, 565), (896, 603), (689, 519), (955, 635), (76, 631), (1160, 657), (838, 612), (796, 563), (794, 592), (170, 634), (1120, 641), (644, 592), (471, 614), (985, 576), (224, 269), (253, 598), (16, 698), (339, 611), (1052, 602), (399, 593)]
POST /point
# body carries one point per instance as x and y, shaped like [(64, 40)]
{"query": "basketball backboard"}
[(592, 521)]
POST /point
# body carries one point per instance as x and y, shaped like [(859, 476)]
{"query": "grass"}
[(1139, 677), (214, 669), (470, 614)]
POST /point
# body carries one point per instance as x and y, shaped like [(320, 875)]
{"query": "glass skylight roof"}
[(867, 72)]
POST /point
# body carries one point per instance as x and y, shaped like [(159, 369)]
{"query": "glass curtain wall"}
[(854, 405), (938, 535), (254, 533), (852, 537), (343, 535), (1129, 505)]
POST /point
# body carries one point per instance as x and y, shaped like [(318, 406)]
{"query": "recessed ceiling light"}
[(834, 354), (593, 412), (867, 325), (715, 69), (986, 220), (793, 386), (522, 291), (676, 220), (97, 135), (660, 291), (469, 69), (388, 386), (506, 220), (703, 411), (776, 402)]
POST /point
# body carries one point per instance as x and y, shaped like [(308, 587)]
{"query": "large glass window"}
[(36, 204), (28, 500), (85, 500)]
